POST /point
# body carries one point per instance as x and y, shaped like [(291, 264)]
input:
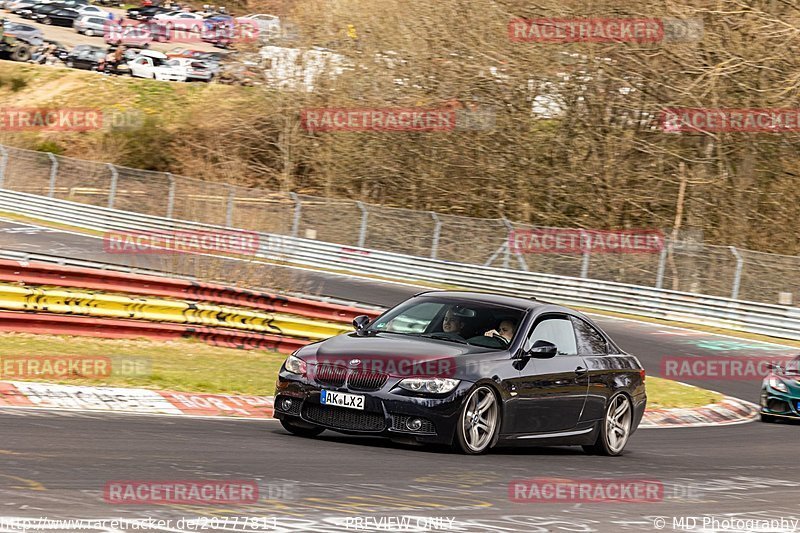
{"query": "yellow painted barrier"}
[(98, 304)]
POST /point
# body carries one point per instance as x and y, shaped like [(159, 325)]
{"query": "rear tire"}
[(300, 429), (615, 428)]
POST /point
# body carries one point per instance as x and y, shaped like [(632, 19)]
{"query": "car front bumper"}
[(386, 411), (777, 403)]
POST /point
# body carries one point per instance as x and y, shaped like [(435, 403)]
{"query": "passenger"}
[(505, 329)]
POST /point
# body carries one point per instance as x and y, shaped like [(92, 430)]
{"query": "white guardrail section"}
[(751, 317)]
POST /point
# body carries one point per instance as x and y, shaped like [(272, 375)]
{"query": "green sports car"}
[(780, 392)]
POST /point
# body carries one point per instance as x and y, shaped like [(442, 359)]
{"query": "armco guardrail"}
[(767, 319), (174, 308)]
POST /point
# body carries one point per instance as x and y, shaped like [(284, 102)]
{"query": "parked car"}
[(427, 371), (29, 11), (19, 5), (42, 9), (59, 17), (195, 70), (111, 2), (154, 65), (193, 21), (145, 13), (93, 11), (196, 54), (269, 26), (85, 57), (24, 32), (91, 25)]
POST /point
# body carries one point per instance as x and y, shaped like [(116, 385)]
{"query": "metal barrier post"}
[(112, 193), (362, 234), (507, 256), (437, 229), (3, 164), (229, 213), (171, 195), (587, 255), (298, 209), (53, 171), (662, 266), (737, 278)]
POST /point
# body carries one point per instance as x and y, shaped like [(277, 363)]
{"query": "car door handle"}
[(580, 371)]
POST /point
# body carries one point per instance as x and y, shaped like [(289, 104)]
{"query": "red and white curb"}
[(126, 400), (728, 411), (26, 394)]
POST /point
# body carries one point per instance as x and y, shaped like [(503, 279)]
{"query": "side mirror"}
[(360, 323), (540, 350)]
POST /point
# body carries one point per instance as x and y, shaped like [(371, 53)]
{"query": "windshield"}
[(460, 321)]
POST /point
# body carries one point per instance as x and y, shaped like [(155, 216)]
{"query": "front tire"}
[(478, 422), (300, 429), (615, 429), (767, 418)]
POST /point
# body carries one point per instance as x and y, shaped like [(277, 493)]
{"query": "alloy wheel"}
[(480, 419)]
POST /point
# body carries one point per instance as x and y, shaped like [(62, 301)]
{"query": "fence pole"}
[(362, 234), (112, 193), (298, 210), (507, 256), (662, 266), (229, 211), (3, 164), (587, 256), (437, 230), (171, 195), (737, 278), (53, 171)]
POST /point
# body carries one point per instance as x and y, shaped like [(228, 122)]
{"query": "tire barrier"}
[(86, 278), (102, 305), (106, 328), (106, 304)]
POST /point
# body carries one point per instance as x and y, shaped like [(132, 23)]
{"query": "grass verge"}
[(665, 394), (185, 365), (192, 366)]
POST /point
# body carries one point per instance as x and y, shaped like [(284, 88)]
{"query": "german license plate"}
[(342, 399)]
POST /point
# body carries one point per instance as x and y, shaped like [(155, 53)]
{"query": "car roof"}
[(491, 298), (153, 53)]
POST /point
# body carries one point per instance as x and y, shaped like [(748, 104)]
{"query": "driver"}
[(505, 329), (452, 323)]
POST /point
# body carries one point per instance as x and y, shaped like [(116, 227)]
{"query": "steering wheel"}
[(502, 339)]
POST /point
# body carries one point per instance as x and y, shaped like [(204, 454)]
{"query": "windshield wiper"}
[(443, 337)]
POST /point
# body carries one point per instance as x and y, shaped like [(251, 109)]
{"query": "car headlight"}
[(295, 365), (777, 384), (431, 385)]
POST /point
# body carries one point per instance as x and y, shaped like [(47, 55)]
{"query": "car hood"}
[(396, 355), (792, 383)]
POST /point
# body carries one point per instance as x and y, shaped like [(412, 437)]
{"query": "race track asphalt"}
[(56, 464)]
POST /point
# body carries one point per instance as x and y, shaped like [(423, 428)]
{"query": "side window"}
[(557, 330), (590, 341)]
